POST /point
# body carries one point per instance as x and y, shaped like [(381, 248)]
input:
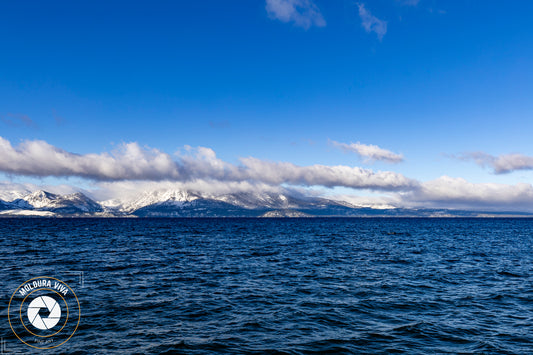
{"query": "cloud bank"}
[(458, 193), (130, 161), (453, 193), (303, 13), (444, 192), (133, 162), (131, 169), (371, 23), (369, 152)]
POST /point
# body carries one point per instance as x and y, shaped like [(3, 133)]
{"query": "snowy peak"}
[(11, 195), (277, 201), (159, 197), (80, 202), (47, 201), (40, 199), (256, 200), (180, 203)]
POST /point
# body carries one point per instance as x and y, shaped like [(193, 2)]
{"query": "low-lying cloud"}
[(369, 152), (458, 193), (131, 169), (130, 161)]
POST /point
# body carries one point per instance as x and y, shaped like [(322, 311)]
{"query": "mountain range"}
[(178, 203)]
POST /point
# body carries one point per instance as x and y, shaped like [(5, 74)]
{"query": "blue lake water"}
[(281, 286)]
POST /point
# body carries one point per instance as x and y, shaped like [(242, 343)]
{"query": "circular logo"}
[(44, 312), (54, 312)]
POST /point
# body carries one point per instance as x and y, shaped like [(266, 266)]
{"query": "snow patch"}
[(27, 213)]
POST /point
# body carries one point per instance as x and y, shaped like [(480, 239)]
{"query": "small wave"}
[(509, 274)]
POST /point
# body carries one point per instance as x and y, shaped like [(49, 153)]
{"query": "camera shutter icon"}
[(34, 312)]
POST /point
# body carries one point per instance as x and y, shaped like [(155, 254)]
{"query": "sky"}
[(405, 103)]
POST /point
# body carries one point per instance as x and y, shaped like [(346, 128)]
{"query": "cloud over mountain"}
[(132, 168)]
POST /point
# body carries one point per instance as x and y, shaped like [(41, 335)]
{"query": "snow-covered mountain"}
[(177, 203), (167, 198), (242, 204), (4, 205), (10, 195), (256, 200), (76, 203)]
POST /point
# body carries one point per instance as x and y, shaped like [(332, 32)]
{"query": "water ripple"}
[(283, 286)]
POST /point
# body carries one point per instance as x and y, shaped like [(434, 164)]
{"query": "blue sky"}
[(445, 84)]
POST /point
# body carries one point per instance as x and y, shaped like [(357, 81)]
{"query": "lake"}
[(282, 286)]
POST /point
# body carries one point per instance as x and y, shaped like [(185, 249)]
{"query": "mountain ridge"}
[(181, 203)]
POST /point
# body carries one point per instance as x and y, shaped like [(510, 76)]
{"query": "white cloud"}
[(459, 193), (130, 161), (325, 175), (511, 162), (369, 152), (500, 164), (133, 162), (371, 23), (444, 192), (303, 13), (453, 193), (376, 202), (131, 168)]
